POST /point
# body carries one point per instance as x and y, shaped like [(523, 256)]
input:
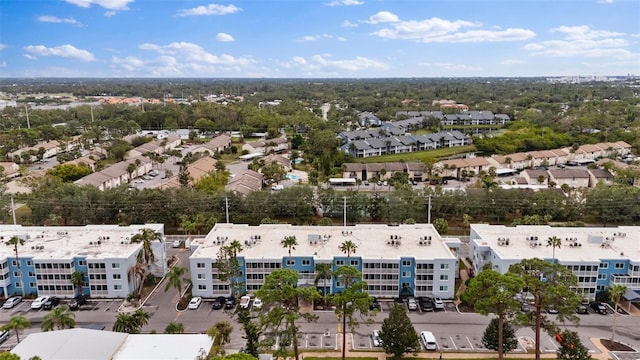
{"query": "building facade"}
[(50, 254), (409, 259), (599, 257)]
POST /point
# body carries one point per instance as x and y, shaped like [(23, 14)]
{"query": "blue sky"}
[(318, 39)]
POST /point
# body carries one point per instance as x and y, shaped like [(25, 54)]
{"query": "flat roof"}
[(323, 242), (164, 346), (67, 242), (593, 243), (71, 344)]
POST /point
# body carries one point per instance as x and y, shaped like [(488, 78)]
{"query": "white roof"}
[(323, 242), (67, 242), (164, 347), (70, 344)]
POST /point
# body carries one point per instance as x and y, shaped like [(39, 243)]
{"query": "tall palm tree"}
[(174, 279), (138, 271), (16, 323), (125, 323), (174, 328), (348, 247), (15, 241), (554, 242), (146, 236), (77, 280), (59, 318), (220, 332), (142, 317), (324, 272), (616, 292), (289, 243)]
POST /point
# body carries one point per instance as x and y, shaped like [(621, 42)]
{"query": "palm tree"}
[(146, 236), (188, 226), (138, 271), (17, 323), (554, 242), (125, 323), (466, 221), (616, 292), (220, 332), (348, 247), (77, 280), (59, 318), (174, 279), (174, 328), (15, 241), (142, 317), (324, 272), (289, 243)]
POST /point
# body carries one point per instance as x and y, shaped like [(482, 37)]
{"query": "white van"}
[(428, 340)]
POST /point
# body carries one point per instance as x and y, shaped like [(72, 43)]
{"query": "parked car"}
[(438, 303), (176, 244), (257, 304), (374, 304), (412, 304), (53, 301), (552, 310), (38, 302), (426, 304), (525, 307), (230, 303), (599, 307), (77, 301), (377, 342), (245, 301), (11, 302), (195, 302), (4, 335), (581, 309), (218, 303)]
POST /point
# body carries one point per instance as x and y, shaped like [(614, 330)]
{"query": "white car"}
[(377, 342), (38, 302), (195, 302), (257, 304), (176, 243), (245, 301), (11, 302), (438, 303)]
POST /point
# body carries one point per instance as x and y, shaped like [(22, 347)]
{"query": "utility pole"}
[(13, 211), (429, 210), (344, 212), (226, 207), (26, 108)]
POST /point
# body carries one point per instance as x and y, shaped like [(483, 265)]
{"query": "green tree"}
[(137, 271), (398, 336), (491, 292), (174, 328), (502, 340), (353, 299), (146, 236), (184, 177), (59, 318), (174, 279), (616, 292), (552, 287), (228, 265), (289, 243), (131, 323), (16, 323), (9, 356), (571, 348), (324, 272), (281, 288), (131, 168), (220, 332), (441, 225), (238, 356), (251, 333), (212, 183), (69, 172), (15, 242), (77, 280), (348, 247), (554, 242)]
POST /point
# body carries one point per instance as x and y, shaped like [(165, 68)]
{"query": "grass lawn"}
[(420, 155)]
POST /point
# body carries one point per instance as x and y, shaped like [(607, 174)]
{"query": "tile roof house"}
[(216, 145), (283, 161), (116, 174), (10, 170), (574, 178), (266, 146), (533, 176), (197, 170), (455, 167), (600, 175), (245, 183)]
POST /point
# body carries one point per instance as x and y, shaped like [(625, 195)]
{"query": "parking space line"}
[(470, 344), (453, 343)]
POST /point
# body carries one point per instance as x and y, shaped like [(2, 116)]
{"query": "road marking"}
[(470, 344), (453, 343), (177, 316)]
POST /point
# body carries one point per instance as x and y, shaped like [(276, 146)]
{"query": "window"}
[(32, 274), (82, 262), (202, 287), (291, 262), (29, 263), (619, 265), (406, 273), (32, 284), (18, 285), (115, 265), (306, 262), (117, 287), (444, 277), (14, 263), (202, 277), (338, 284), (604, 265), (339, 262), (602, 276), (200, 265), (406, 262), (354, 262), (117, 276), (444, 288), (444, 266)]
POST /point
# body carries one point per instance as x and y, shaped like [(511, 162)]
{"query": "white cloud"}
[(437, 30), (605, 1), (109, 13), (510, 62), (30, 57), (348, 23), (323, 64), (583, 41), (65, 51), (344, 3), (308, 38), (55, 19), (383, 17), (224, 37), (3, 64), (107, 4), (451, 67), (211, 9), (3, 46)]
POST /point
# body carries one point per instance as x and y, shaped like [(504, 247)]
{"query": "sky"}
[(318, 39)]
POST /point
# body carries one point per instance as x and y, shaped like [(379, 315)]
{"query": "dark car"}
[(374, 304), (230, 302), (51, 303), (426, 304), (218, 303), (77, 301), (599, 307)]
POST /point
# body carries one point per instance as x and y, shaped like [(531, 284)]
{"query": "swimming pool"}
[(293, 177)]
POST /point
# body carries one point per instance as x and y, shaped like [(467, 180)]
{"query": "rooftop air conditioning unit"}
[(429, 241)]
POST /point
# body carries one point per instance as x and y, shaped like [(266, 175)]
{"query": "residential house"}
[(266, 146), (600, 175), (216, 145), (367, 118), (283, 161), (117, 174), (535, 177), (10, 170), (197, 170), (574, 178), (84, 160), (455, 167), (245, 183)]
